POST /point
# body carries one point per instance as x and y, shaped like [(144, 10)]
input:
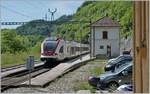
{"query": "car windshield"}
[(115, 59), (120, 58), (121, 67), (127, 57), (112, 62), (50, 46)]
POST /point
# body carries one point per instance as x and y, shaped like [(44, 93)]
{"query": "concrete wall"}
[(113, 41)]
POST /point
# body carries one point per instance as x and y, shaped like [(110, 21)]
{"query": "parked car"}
[(121, 75), (125, 88), (116, 62)]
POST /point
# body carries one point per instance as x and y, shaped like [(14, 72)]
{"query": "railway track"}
[(14, 67), (17, 78)]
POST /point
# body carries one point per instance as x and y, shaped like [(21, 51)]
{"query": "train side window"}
[(68, 49), (61, 49)]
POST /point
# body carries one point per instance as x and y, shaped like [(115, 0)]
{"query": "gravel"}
[(63, 84)]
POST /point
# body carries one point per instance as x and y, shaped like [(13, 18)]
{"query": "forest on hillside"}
[(64, 26), (121, 11)]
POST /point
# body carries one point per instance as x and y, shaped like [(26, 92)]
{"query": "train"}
[(58, 49)]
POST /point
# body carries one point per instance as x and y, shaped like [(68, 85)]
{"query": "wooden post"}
[(141, 47)]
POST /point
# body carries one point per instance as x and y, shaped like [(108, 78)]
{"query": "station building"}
[(105, 38)]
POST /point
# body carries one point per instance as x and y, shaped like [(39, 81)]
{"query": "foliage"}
[(120, 11), (35, 27), (11, 42), (9, 59)]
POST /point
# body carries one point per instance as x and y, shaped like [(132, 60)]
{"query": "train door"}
[(61, 51)]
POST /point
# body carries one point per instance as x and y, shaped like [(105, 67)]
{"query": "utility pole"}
[(80, 40), (46, 16), (52, 13), (90, 36)]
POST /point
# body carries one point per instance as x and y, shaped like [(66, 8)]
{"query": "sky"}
[(27, 10)]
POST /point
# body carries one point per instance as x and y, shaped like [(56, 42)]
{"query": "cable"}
[(35, 5), (31, 4), (16, 12), (40, 3)]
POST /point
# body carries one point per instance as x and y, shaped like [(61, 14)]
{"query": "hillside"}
[(94, 10), (89, 10), (40, 27)]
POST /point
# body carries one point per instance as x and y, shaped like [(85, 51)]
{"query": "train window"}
[(50, 46), (61, 49), (68, 49), (78, 49), (72, 50)]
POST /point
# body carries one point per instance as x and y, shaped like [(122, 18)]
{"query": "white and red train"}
[(59, 49)]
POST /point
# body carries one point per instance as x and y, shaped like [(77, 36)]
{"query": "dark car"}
[(116, 62), (121, 75)]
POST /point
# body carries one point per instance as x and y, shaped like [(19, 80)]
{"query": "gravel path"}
[(64, 84)]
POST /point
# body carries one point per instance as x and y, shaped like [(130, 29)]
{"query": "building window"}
[(101, 47), (105, 35)]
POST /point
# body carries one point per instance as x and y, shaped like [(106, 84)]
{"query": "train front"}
[(48, 50)]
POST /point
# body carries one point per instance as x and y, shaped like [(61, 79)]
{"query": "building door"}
[(108, 51)]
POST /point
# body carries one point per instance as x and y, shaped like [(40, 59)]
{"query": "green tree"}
[(11, 42)]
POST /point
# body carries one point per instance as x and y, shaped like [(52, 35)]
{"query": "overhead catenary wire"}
[(31, 4), (16, 12), (41, 3)]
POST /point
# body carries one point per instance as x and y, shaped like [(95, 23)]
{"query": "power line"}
[(37, 6), (16, 12), (41, 3), (31, 4)]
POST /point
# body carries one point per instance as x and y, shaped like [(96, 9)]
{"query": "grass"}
[(97, 71), (99, 61), (8, 59), (84, 85)]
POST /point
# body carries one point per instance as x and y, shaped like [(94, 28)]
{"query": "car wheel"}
[(113, 86)]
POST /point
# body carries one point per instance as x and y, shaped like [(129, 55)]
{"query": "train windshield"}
[(50, 46)]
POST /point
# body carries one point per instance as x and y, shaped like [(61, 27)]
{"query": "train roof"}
[(72, 42), (51, 39)]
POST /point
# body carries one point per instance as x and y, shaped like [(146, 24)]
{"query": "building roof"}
[(105, 21)]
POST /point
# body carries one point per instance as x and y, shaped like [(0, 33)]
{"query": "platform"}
[(55, 72)]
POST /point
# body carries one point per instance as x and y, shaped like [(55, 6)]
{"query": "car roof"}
[(121, 57)]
